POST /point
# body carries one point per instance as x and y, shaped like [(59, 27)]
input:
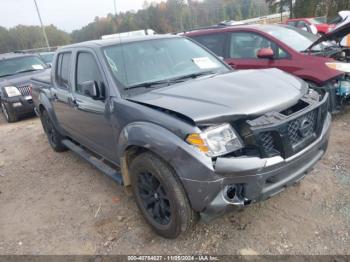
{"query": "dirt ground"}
[(57, 204)]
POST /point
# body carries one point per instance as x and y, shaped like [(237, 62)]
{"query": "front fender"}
[(189, 164), (150, 136), (182, 157)]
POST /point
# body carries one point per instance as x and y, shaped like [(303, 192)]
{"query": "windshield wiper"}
[(168, 82), (26, 71), (148, 84), (194, 75), (6, 75)]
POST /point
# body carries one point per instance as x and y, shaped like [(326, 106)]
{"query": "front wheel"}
[(54, 137), (9, 116), (160, 196)]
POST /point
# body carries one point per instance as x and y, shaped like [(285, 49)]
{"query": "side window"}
[(87, 70), (245, 45), (303, 26), (214, 42), (63, 70), (292, 23)]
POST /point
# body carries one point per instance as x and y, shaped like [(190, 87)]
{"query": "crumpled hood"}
[(22, 79), (228, 96), (336, 35)]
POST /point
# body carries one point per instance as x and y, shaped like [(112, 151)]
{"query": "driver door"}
[(92, 118), (244, 47)]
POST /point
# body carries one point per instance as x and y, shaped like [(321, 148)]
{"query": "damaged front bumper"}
[(241, 181)]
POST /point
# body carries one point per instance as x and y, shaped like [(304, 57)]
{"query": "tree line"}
[(169, 16)]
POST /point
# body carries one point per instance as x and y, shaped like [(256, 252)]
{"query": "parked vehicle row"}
[(321, 62), (192, 137)]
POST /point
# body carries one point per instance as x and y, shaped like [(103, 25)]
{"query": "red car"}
[(305, 23), (286, 48)]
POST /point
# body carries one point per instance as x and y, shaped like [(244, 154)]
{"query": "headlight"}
[(343, 67), (12, 91), (216, 141)]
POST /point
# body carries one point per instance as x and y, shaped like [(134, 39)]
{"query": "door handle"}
[(75, 103), (55, 97), (232, 65)]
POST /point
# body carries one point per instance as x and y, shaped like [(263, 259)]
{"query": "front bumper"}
[(257, 179), (20, 105)]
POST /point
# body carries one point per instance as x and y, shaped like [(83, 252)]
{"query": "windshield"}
[(47, 58), (317, 20), (155, 60), (20, 64), (295, 38)]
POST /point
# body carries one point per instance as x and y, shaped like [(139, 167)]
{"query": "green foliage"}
[(27, 37), (173, 16), (310, 8), (166, 17)]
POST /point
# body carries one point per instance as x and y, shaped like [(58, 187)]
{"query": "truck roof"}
[(108, 42)]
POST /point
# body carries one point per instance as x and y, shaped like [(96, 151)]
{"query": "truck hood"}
[(22, 79), (337, 34), (228, 96)]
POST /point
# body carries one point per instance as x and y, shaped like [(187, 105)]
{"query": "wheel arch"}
[(140, 137)]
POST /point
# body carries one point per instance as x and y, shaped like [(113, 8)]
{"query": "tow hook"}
[(234, 195)]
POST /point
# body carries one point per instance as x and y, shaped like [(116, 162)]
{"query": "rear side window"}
[(87, 70), (63, 69), (214, 42)]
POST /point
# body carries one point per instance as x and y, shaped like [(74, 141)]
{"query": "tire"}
[(9, 115), (53, 136), (160, 196)]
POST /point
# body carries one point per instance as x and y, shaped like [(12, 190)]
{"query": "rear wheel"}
[(9, 116), (54, 137), (160, 196)]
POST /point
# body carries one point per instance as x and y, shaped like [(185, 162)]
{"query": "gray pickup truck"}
[(191, 137), (16, 70)]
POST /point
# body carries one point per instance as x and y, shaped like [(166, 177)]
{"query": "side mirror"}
[(266, 53), (90, 88), (313, 29)]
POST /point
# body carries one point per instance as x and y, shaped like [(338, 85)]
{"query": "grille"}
[(267, 142), (288, 138), (302, 128), (25, 90)]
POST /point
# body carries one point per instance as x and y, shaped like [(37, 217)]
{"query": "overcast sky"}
[(65, 14)]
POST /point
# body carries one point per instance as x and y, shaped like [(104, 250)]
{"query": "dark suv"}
[(190, 136), (16, 70)]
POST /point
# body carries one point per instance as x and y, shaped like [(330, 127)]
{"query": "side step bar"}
[(105, 169)]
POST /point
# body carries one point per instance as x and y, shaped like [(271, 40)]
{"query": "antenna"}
[(115, 7), (42, 26)]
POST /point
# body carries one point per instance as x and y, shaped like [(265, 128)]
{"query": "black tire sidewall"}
[(57, 144), (179, 213), (11, 117)]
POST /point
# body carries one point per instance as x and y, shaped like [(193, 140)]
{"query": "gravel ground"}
[(57, 204)]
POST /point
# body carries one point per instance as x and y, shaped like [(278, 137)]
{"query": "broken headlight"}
[(217, 140)]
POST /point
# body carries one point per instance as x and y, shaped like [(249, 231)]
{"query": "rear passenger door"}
[(92, 118), (215, 42), (62, 97)]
